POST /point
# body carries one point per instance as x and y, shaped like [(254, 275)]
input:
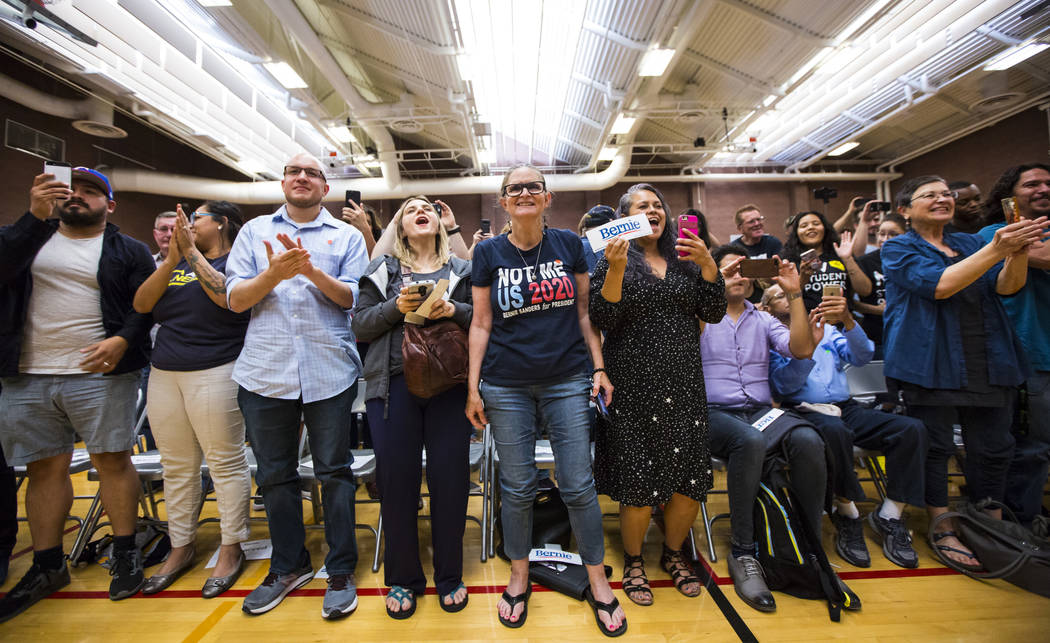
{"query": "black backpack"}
[(791, 555)]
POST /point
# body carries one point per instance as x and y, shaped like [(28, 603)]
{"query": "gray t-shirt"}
[(65, 306), (397, 335)]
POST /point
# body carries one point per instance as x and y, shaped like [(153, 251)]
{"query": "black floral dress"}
[(655, 443)]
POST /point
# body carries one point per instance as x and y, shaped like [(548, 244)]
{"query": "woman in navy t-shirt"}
[(192, 398), (532, 348)]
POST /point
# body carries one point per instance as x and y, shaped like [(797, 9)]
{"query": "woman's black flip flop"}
[(609, 608), (513, 601)]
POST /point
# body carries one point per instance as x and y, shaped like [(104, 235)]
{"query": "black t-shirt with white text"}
[(535, 334), (830, 271)]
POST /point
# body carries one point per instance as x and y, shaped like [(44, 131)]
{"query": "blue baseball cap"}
[(94, 177), (599, 215)]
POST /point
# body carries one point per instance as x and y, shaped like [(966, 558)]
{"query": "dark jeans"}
[(440, 425), (8, 508), (989, 447), (901, 439), (1029, 466), (744, 447), (273, 426)]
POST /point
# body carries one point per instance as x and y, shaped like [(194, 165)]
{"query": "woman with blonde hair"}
[(402, 423)]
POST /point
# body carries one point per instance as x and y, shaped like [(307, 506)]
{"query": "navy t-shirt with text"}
[(535, 334), (195, 334)]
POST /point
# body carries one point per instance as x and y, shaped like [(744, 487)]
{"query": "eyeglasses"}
[(755, 220), (934, 195), (197, 213), (292, 171), (516, 189)]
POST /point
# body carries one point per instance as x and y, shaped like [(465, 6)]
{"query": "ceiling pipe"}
[(290, 17), (259, 192), (75, 109), (148, 182)]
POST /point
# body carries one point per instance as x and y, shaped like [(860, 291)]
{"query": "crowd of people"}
[(256, 332)]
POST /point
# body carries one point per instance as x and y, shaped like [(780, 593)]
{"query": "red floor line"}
[(495, 589)]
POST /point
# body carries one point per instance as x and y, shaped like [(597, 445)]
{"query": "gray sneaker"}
[(274, 588), (340, 599), (749, 581)]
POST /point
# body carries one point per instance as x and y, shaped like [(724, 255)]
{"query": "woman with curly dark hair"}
[(652, 449), (834, 264)]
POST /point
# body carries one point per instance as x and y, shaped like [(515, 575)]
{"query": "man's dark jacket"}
[(125, 263)]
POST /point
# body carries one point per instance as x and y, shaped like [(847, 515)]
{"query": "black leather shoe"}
[(749, 581), (849, 540)]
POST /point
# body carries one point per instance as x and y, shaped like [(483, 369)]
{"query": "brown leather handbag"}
[(434, 356)]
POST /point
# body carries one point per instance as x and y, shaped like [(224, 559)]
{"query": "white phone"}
[(63, 171)]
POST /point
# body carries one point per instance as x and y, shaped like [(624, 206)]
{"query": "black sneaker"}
[(126, 570), (38, 583), (849, 540), (896, 540)]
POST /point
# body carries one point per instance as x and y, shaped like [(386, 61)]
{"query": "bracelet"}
[(792, 296), (596, 371), (452, 230)]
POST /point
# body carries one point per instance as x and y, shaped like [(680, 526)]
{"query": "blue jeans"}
[(272, 426), (514, 413)]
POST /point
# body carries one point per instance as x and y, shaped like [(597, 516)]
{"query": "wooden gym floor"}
[(930, 603)]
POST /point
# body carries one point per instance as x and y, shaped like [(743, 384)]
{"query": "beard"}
[(80, 217)]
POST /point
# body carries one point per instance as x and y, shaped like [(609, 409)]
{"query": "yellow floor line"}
[(208, 623)]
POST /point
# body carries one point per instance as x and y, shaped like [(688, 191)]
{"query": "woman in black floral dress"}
[(653, 448)]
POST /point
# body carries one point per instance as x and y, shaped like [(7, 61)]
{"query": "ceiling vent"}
[(99, 128), (995, 103), (406, 126), (689, 117)]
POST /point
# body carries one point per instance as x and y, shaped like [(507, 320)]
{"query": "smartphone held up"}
[(760, 268), (63, 172), (687, 222)]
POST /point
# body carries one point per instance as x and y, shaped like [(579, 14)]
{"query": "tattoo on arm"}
[(207, 276)]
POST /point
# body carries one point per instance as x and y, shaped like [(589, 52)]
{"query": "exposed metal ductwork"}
[(292, 19), (134, 180), (89, 115)]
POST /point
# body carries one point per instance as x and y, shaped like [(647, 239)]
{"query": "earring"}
[(220, 227)]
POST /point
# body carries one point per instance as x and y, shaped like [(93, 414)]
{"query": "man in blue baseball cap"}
[(71, 349)]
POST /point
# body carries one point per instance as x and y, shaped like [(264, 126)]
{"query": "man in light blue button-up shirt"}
[(297, 270)]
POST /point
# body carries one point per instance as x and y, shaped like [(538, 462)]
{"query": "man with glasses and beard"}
[(297, 270), (71, 349)]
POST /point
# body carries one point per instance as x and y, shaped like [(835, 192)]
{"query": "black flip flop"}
[(455, 607), (609, 608), (513, 602), (401, 593), (946, 548)]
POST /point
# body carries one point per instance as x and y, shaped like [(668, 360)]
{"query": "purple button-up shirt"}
[(736, 358)]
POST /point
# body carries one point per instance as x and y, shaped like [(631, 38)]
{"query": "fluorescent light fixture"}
[(655, 62), (1014, 55), (810, 64), (285, 75), (769, 100), (486, 157), (842, 149), (215, 3), (341, 133), (623, 124), (504, 43), (607, 154)]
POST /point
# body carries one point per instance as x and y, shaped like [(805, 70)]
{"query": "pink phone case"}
[(687, 222)]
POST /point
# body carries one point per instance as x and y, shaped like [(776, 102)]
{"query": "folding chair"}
[(717, 464)]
